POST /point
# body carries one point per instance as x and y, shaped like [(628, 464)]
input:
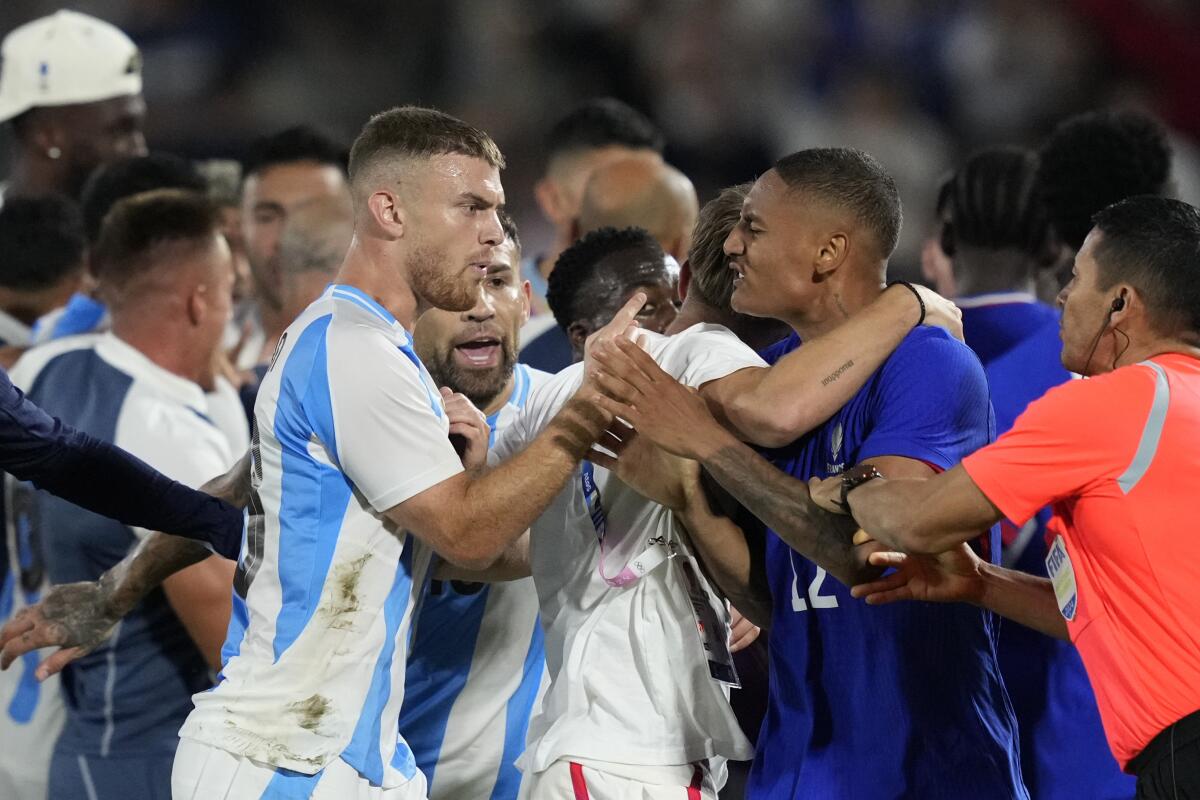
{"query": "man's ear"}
[(197, 304), (831, 254), (578, 332), (549, 200), (685, 279), (526, 301), (387, 213)]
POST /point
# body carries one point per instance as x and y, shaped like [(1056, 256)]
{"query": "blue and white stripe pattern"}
[(349, 424), (476, 670)]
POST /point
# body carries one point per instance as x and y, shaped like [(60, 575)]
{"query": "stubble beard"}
[(432, 283)]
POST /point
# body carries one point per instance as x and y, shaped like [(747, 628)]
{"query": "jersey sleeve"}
[(930, 403), (382, 418), (1064, 442)]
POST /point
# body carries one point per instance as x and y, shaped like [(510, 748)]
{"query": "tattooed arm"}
[(677, 420), (77, 617), (774, 407)]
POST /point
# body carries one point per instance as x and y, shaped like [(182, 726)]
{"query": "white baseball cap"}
[(63, 59)]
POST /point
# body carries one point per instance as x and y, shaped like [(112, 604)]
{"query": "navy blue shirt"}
[(904, 700), (549, 351), (1064, 754)]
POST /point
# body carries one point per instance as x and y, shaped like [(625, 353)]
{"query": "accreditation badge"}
[(1062, 577)]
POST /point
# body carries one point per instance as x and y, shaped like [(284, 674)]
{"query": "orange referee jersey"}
[(1118, 456)]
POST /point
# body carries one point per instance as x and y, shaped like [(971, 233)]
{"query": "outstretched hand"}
[(952, 576), (71, 616), (636, 389)]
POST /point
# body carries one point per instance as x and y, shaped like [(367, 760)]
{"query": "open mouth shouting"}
[(482, 351)]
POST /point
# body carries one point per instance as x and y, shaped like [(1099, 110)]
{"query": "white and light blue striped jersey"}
[(348, 424), (130, 695), (475, 670)]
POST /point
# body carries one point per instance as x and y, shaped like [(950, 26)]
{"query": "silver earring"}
[(54, 153)]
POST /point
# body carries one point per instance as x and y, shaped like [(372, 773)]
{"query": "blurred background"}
[(918, 83)]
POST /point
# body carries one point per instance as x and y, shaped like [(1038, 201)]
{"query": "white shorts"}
[(204, 772), (591, 780)]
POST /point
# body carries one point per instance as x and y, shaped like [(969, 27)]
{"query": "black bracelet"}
[(917, 295)]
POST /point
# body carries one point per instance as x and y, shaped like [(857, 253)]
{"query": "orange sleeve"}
[(1077, 434)]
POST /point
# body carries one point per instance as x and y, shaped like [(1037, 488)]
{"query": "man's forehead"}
[(466, 174)]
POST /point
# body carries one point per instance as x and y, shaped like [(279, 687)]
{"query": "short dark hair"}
[(129, 176), (299, 143), (139, 226), (414, 132), (852, 180), (993, 202), (1153, 243), (41, 242), (602, 122), (509, 225), (1093, 160), (570, 287), (712, 278)]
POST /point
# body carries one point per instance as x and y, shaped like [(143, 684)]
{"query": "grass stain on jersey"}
[(310, 711), (343, 603)]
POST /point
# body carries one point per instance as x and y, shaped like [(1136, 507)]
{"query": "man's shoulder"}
[(934, 356), (700, 353), (34, 360)]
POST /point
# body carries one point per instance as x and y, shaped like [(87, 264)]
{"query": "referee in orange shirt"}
[(1118, 457)]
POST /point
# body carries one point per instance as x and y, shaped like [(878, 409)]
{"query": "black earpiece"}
[(1117, 305)]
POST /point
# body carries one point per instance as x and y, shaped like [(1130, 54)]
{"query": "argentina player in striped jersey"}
[(477, 660)]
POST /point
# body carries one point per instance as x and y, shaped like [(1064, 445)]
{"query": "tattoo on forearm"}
[(837, 373), (776, 499)]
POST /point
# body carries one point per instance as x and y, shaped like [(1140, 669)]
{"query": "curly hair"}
[(1093, 160), (574, 274)]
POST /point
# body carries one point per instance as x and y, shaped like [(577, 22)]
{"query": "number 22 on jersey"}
[(815, 598)]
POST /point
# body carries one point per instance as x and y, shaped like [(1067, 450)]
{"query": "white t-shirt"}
[(629, 681), (349, 424)]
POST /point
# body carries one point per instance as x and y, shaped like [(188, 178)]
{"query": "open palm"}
[(952, 576)]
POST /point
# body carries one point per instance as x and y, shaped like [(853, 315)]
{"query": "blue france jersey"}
[(904, 700), (1064, 754), (475, 670), (130, 695)]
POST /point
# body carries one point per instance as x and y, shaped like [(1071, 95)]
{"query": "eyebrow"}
[(269, 205), (497, 269), (477, 199)]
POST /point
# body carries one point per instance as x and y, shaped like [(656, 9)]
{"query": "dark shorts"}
[(80, 777), (1169, 767)]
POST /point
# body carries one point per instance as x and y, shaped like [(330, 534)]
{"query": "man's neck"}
[(833, 308), (366, 268), (978, 271), (1138, 352), (501, 398), (164, 344), (32, 178)]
